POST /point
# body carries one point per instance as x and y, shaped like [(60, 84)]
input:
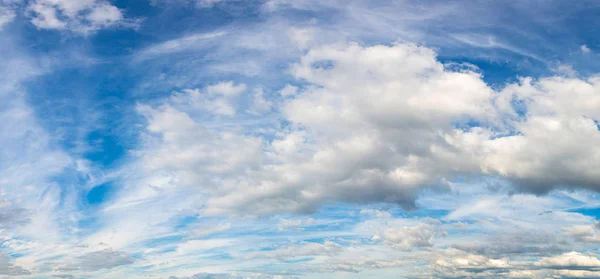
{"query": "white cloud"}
[(220, 99), (407, 238), (260, 104), (380, 123), (366, 124), (457, 264), (82, 16), (585, 49), (288, 90), (11, 216), (571, 260), (195, 153), (287, 224), (565, 70), (10, 269), (203, 4), (206, 231), (585, 233), (6, 15), (543, 154), (103, 259), (347, 114), (195, 41)]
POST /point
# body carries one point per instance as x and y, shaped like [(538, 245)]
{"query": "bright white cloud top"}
[(299, 139)]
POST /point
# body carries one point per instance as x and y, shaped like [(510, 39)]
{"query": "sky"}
[(280, 139)]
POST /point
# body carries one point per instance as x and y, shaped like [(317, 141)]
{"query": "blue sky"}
[(190, 139)]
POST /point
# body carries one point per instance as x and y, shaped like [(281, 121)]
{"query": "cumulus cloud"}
[(406, 238), (186, 147), (381, 123), (458, 264), (571, 260), (219, 99), (287, 224), (355, 124), (585, 49), (79, 16), (550, 115), (343, 128)]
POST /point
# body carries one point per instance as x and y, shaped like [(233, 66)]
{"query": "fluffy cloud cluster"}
[(458, 264), (355, 125), (81, 16), (406, 238), (378, 124)]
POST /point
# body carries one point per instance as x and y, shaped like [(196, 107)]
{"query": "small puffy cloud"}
[(226, 89), (456, 259), (376, 213), (585, 49), (409, 237), (287, 224), (260, 104), (81, 16), (565, 70), (288, 91), (302, 37), (219, 99)]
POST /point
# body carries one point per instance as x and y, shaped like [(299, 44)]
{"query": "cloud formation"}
[(378, 124), (83, 16), (298, 139)]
